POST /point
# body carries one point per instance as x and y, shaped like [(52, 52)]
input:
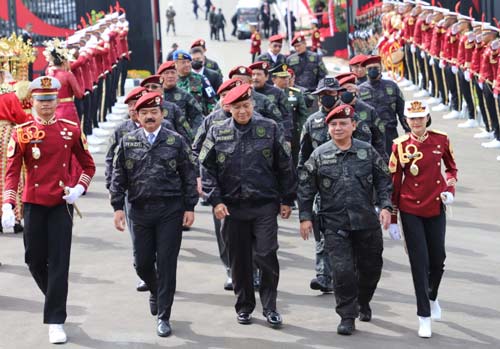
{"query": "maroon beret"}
[(351, 79), (168, 65), (341, 112), (198, 42), (152, 79), (259, 66), (238, 94), (135, 94), (371, 60), (149, 100), (229, 85), (240, 70), (357, 59), (276, 38), (298, 38)]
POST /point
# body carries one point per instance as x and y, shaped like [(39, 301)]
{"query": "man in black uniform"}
[(345, 172), (308, 66), (273, 56), (199, 66), (249, 179), (156, 168), (386, 97), (209, 63)]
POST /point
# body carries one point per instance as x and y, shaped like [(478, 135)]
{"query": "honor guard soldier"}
[(308, 66), (45, 146), (260, 74), (255, 41), (195, 84), (155, 171), (386, 97), (296, 104), (248, 176), (185, 101), (356, 67), (209, 63), (316, 38), (273, 56), (345, 172), (420, 195)]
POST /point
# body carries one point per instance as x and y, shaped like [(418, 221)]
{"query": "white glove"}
[(413, 49), (447, 197), (442, 64), (454, 70), (480, 84), (467, 75), (73, 193), (394, 232), (495, 95), (431, 61), (8, 216), (422, 54)]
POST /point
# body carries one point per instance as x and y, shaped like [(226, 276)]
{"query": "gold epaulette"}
[(295, 89), (22, 125), (401, 139), (69, 122), (439, 132)]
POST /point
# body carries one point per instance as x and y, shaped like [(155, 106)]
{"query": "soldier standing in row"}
[(155, 168), (248, 176), (345, 172)]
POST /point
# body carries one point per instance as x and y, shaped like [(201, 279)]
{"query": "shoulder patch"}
[(294, 89), (439, 132), (24, 124), (69, 122), (401, 139)]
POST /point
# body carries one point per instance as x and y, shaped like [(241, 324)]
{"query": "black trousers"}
[(123, 75), (424, 68), (47, 245), (441, 82), (96, 103), (482, 104), (221, 243), (452, 81), (408, 63), (391, 133), (467, 89), (425, 244), (356, 258), (157, 238), (491, 119), (87, 113), (252, 231)]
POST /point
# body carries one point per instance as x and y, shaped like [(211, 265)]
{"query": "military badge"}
[(362, 154), (260, 131), (327, 182), (347, 111), (129, 164), (170, 140), (242, 70), (221, 158), (46, 82), (67, 135), (173, 164), (177, 96), (158, 99), (267, 153), (287, 148), (363, 115)]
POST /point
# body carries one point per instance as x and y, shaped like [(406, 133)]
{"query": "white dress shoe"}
[(411, 88), (424, 329), (433, 101), (114, 117), (494, 144), (435, 310), (421, 94), (484, 135), (94, 140), (120, 99), (108, 125), (94, 149), (57, 334), (100, 133), (440, 107), (404, 83), (498, 158), (470, 123), (454, 114)]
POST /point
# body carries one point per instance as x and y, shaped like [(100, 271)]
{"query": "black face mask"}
[(347, 97), (197, 65), (373, 73), (328, 101)]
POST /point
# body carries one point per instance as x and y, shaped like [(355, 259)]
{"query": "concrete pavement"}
[(105, 311)]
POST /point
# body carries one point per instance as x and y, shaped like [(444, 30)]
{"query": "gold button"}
[(438, 182), (439, 146), (36, 185), (418, 201), (416, 184), (36, 166), (64, 165), (65, 146), (439, 164), (437, 199)]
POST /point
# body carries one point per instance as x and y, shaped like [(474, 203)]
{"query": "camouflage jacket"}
[(217, 117), (188, 105), (387, 99), (345, 180), (211, 64), (369, 127), (174, 115), (278, 97), (309, 69), (250, 163), (163, 170), (199, 87), (297, 106)]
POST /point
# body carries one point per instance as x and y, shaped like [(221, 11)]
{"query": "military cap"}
[(416, 109), (341, 112), (259, 66), (298, 38), (357, 59), (181, 54), (276, 38), (280, 71), (238, 94), (344, 75), (328, 83), (149, 100), (198, 42), (168, 65), (371, 60), (135, 94), (490, 29), (349, 79), (240, 70), (229, 85), (152, 79), (44, 88)]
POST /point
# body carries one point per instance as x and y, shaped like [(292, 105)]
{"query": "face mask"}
[(347, 97), (328, 101), (197, 65), (373, 73)]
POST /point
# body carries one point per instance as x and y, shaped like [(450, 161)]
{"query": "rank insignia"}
[(221, 158), (129, 164), (170, 140), (260, 131), (177, 96), (267, 153), (327, 183), (362, 154), (173, 164)]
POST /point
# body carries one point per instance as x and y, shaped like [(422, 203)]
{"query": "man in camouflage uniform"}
[(273, 56), (155, 168), (195, 84), (209, 63), (345, 172), (248, 176), (308, 66), (185, 101), (295, 102), (275, 95), (386, 97), (309, 98)]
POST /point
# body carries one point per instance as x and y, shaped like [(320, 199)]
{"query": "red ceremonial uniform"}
[(46, 149), (256, 41), (475, 65), (451, 43), (409, 28), (427, 33), (465, 51), (418, 33), (420, 194), (316, 40), (489, 65), (436, 40)]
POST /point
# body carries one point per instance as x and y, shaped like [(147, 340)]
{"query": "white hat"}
[(416, 109)]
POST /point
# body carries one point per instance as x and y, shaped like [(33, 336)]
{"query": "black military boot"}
[(153, 305), (365, 312), (18, 228), (346, 327), (320, 283)]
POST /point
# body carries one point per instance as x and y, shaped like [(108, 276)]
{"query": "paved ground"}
[(105, 311)]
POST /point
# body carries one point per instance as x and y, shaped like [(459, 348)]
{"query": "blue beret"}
[(181, 54)]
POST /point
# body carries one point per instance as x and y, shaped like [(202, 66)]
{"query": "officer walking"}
[(155, 167), (248, 176), (345, 172), (45, 146), (273, 56), (209, 63)]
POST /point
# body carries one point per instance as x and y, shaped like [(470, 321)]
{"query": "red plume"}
[(496, 22), (82, 21), (457, 7), (89, 18), (470, 12), (439, 4), (79, 27), (483, 17), (433, 2), (110, 9)]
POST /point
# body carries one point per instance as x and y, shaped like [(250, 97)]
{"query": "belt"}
[(67, 99)]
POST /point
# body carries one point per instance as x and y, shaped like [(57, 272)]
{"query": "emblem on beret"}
[(242, 70), (347, 111), (238, 83), (46, 82), (299, 39), (170, 140), (264, 65), (180, 56), (202, 43), (157, 100), (261, 131), (161, 80)]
